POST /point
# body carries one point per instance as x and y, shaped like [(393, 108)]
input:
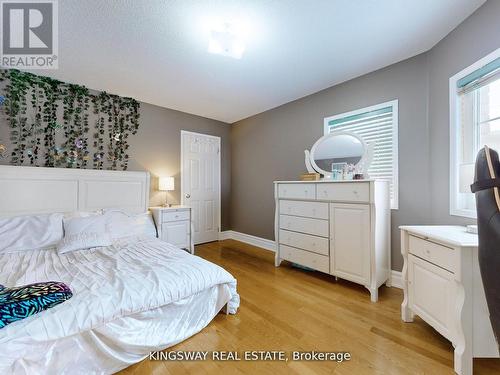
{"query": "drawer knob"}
[(355, 192)]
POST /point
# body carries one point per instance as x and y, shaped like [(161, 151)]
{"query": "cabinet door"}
[(350, 242), (176, 233), (431, 294)]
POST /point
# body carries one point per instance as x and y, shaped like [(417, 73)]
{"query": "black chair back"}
[(486, 188)]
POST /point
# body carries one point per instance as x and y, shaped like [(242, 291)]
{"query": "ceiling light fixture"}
[(226, 39)]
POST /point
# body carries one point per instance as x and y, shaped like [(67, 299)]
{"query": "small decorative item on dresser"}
[(310, 177), (338, 171), (174, 225)]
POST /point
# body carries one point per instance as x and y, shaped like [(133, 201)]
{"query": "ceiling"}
[(156, 50)]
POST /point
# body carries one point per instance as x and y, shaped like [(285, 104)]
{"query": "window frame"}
[(395, 131), (454, 98)]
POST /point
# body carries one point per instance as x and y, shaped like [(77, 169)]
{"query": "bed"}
[(138, 295)]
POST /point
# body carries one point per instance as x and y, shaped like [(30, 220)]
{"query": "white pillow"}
[(73, 214), (122, 224), (82, 233), (23, 233)]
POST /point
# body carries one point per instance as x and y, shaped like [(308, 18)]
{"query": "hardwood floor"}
[(294, 310)]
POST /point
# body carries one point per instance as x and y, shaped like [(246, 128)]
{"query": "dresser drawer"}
[(305, 258), (315, 227), (297, 191), (344, 191), (439, 255), (317, 210), (175, 216), (307, 242)]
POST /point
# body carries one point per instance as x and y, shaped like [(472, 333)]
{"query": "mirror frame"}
[(328, 174)]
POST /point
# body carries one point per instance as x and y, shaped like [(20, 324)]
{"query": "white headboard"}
[(32, 190)]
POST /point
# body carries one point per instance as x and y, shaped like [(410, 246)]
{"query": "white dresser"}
[(174, 225), (442, 284), (337, 227)]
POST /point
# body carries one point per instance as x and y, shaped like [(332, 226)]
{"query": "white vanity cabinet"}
[(350, 242), (442, 285), (337, 227)]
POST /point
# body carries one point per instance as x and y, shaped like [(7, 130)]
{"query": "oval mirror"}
[(336, 149)]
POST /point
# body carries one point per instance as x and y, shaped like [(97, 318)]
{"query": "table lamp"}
[(166, 184)]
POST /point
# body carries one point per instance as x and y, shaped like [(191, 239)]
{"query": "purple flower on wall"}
[(79, 143)]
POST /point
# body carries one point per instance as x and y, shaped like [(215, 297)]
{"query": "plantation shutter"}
[(375, 126), (480, 77)]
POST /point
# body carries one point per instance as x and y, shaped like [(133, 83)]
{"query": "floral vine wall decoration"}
[(57, 124)]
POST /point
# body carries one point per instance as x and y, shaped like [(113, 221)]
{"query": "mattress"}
[(136, 296)]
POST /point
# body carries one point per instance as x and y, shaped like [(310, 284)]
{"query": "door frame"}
[(219, 182)]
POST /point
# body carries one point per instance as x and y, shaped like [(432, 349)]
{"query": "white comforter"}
[(108, 283)]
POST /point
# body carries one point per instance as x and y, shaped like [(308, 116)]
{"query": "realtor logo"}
[(29, 34)]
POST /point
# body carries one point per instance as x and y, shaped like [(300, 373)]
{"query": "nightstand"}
[(174, 226), (443, 286)]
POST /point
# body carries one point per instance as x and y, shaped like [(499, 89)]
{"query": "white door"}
[(350, 241), (200, 179)]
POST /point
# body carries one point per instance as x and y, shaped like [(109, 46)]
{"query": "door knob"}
[(188, 196)]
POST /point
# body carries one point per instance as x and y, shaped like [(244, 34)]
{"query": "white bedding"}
[(129, 299)]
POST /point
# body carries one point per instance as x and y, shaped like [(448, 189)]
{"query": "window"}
[(474, 122), (379, 125)]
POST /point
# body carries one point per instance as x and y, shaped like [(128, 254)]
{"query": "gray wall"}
[(270, 146), (157, 148), (473, 39)]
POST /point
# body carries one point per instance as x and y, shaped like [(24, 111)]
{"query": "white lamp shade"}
[(166, 184), (466, 177)]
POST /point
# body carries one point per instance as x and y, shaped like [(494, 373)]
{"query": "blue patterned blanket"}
[(23, 301)]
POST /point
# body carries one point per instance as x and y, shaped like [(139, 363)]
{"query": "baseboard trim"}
[(225, 235), (396, 279), (249, 239)]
